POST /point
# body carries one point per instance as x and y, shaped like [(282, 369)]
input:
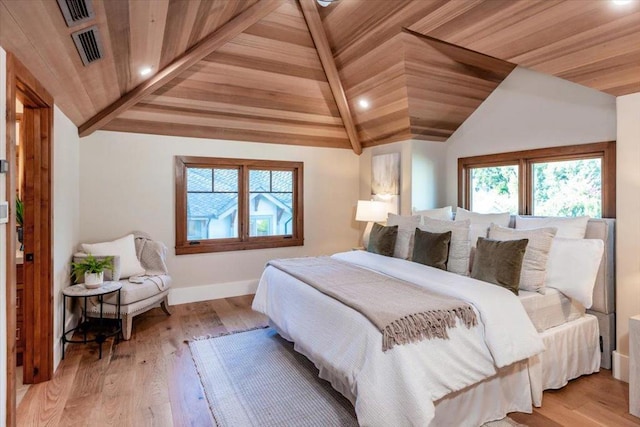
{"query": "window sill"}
[(236, 246)]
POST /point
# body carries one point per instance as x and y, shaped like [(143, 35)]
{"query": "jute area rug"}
[(255, 378)]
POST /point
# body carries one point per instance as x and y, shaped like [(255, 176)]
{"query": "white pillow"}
[(125, 248), (406, 230), (573, 266), (443, 214), (459, 248), (480, 222), (568, 228), (534, 263)]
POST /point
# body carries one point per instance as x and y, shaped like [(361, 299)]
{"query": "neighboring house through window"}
[(573, 180), (234, 204)]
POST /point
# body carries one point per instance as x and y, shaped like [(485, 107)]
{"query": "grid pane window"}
[(233, 204), (271, 210), (494, 189), (568, 188), (212, 203)]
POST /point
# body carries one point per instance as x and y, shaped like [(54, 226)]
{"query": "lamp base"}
[(366, 234)]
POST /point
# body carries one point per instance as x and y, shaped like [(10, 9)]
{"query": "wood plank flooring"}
[(151, 379)]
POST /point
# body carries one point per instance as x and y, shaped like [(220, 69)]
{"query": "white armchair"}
[(140, 292)]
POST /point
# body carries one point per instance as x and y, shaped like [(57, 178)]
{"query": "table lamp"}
[(370, 211)]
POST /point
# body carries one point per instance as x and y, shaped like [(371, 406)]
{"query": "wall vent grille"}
[(76, 12), (88, 44)]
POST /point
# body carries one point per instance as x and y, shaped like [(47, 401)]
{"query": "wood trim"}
[(319, 36), (525, 159), (193, 55), (243, 241), (38, 291), (11, 243)]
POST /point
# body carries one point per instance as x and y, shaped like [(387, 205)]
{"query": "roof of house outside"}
[(203, 202)]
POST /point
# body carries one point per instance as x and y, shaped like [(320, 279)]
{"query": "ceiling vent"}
[(88, 44), (76, 12)]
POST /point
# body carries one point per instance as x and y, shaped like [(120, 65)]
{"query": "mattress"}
[(551, 309)]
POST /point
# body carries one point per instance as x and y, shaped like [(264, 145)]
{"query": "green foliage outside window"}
[(568, 188)]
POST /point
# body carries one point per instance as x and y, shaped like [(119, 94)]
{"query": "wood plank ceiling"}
[(267, 83)]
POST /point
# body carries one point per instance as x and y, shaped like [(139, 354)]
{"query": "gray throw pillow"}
[(431, 249), (382, 240), (499, 262)]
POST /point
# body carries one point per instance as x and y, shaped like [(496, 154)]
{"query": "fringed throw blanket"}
[(401, 311)]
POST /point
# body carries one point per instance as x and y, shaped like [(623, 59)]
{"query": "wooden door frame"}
[(38, 356)]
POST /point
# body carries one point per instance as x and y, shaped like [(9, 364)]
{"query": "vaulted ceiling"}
[(292, 72)]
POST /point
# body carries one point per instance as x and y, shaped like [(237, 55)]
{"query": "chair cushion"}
[(133, 292)]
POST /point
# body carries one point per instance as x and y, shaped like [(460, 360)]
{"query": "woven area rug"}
[(255, 378)]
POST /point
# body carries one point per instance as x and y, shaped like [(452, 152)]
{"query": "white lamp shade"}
[(371, 210)]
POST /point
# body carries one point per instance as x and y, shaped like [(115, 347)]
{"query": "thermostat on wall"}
[(4, 212), (4, 166)]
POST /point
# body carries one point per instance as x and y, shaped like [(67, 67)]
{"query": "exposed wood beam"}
[(193, 55), (311, 15)]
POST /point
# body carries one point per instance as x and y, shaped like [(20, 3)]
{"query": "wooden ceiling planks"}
[(267, 84), (196, 53), (55, 61), (445, 84), (575, 40), (378, 78), (312, 18), (271, 71)]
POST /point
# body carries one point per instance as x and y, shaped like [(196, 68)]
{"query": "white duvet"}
[(398, 387)]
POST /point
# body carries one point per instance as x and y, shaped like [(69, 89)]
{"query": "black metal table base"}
[(96, 326)]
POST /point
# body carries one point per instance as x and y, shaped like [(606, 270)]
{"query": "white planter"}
[(93, 280)]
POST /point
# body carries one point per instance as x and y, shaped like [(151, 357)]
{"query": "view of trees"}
[(563, 188), (494, 189), (569, 188)]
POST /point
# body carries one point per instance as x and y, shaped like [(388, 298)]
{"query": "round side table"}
[(97, 330)]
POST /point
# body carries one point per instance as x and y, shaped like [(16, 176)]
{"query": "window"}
[(494, 189), (233, 204), (563, 181)]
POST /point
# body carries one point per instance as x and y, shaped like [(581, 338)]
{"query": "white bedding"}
[(551, 309), (398, 387)]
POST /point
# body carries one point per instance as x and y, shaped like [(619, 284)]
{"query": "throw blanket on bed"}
[(402, 312)]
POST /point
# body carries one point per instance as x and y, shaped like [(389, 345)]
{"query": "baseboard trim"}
[(620, 366), (213, 291)]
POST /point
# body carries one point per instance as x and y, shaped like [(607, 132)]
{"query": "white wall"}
[(531, 110), (628, 225), (3, 243), (428, 174), (422, 166), (127, 183), (66, 213)]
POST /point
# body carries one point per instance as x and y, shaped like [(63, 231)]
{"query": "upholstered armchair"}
[(140, 266)]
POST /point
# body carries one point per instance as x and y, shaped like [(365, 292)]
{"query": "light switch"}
[(4, 212)]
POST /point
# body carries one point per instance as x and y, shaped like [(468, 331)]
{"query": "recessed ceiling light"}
[(145, 71), (621, 2), (363, 103)]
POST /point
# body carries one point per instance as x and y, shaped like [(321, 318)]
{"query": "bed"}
[(479, 374)]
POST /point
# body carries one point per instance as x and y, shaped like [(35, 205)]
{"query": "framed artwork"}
[(385, 180)]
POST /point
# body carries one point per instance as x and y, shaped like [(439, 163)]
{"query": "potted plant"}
[(92, 270), (20, 220)]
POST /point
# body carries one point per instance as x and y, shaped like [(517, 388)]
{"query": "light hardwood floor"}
[(151, 380)]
